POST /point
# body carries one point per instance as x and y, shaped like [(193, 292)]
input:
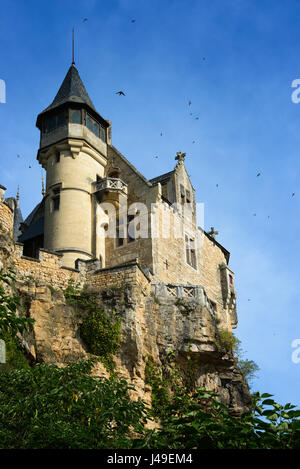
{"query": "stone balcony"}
[(110, 185)]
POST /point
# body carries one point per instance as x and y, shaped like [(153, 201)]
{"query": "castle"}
[(84, 170), (102, 224)]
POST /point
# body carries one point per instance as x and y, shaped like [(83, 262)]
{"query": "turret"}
[(73, 151)]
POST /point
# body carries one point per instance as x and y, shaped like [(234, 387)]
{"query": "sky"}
[(235, 60)]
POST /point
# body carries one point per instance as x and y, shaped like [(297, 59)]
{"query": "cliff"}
[(155, 319)]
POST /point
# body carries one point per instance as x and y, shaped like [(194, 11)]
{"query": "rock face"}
[(151, 327), (152, 324)]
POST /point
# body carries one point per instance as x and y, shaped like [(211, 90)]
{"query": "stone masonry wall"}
[(45, 270), (6, 217)]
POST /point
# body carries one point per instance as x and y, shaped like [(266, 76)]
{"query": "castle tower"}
[(73, 151)]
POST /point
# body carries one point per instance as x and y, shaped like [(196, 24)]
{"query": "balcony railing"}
[(111, 184)]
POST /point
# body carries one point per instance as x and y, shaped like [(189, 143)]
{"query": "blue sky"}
[(235, 61)]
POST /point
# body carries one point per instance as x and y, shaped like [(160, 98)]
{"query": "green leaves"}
[(10, 322), (61, 408)]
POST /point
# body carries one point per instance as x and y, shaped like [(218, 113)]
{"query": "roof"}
[(73, 90), (162, 177), (36, 229), (18, 219), (32, 214)]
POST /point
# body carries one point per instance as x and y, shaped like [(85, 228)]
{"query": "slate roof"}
[(72, 89), (162, 177), (36, 229), (18, 219)]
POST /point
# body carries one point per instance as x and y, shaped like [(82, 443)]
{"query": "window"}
[(190, 251), (56, 199), (120, 233), (61, 120), (182, 194), (130, 228), (51, 123), (57, 157), (102, 134), (89, 123), (114, 174), (95, 127), (54, 121), (76, 117), (230, 279), (188, 197)]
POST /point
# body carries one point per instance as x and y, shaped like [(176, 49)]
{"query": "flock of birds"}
[(121, 93)]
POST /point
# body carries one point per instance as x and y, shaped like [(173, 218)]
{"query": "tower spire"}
[(18, 196), (43, 187), (73, 48)]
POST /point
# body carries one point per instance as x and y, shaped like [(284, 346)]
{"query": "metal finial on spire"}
[(43, 187), (18, 196), (73, 49)]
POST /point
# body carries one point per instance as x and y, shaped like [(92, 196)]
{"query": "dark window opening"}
[(188, 197), (190, 252), (57, 157), (56, 202), (114, 174), (182, 194), (32, 246), (130, 228), (120, 234)]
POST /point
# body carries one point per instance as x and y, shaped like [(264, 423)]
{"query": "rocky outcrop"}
[(151, 326)]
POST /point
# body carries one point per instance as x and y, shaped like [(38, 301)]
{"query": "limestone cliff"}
[(152, 324)]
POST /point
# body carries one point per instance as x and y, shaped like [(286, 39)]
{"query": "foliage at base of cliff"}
[(63, 408)]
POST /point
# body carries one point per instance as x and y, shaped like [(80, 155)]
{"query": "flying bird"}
[(132, 21), (190, 102), (217, 185), (30, 167), (161, 134), (258, 174), (156, 157), (85, 19), (254, 214), (196, 118), (120, 93), (193, 141), (293, 194), (18, 156), (203, 58)]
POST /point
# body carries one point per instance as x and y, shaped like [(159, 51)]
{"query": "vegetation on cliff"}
[(64, 408), (46, 406)]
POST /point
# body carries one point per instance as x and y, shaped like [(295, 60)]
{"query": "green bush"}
[(62, 408), (101, 332)]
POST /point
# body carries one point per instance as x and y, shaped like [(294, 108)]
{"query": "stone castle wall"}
[(6, 217)]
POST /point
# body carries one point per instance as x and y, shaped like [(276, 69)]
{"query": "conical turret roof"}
[(72, 89)]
